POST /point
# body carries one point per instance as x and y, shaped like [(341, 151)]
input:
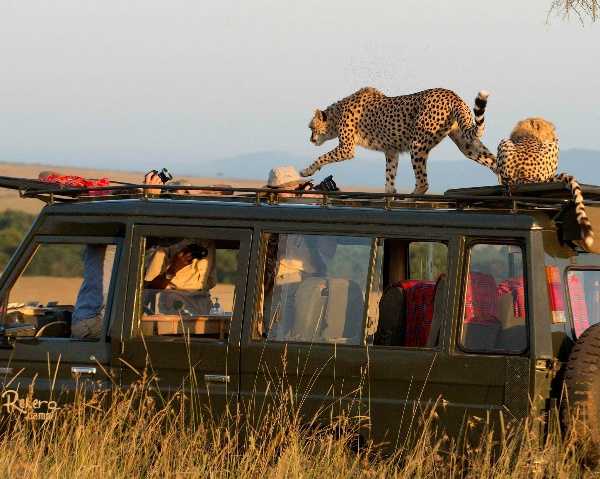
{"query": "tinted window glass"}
[(494, 318), (314, 288), (189, 287)]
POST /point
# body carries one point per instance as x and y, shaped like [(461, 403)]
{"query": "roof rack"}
[(544, 196), (552, 190)]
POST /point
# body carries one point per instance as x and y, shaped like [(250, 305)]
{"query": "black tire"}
[(582, 381)]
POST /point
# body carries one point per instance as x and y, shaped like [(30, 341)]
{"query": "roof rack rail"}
[(545, 195)]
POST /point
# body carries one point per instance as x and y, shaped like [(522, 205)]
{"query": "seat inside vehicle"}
[(411, 306)]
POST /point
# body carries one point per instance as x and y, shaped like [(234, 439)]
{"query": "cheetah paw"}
[(307, 172), (420, 190)]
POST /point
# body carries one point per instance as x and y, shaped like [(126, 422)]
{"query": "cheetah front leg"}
[(344, 151), (391, 168)]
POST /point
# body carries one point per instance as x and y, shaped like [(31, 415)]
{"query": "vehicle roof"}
[(417, 214)]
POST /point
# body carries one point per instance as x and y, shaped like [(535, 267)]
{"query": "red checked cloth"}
[(480, 299), (579, 308), (516, 288), (419, 300), (79, 182)]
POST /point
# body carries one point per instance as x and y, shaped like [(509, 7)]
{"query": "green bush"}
[(13, 227)]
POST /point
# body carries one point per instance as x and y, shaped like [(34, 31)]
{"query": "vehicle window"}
[(584, 298), (494, 315), (428, 260), (409, 291), (188, 287), (62, 292), (314, 288)]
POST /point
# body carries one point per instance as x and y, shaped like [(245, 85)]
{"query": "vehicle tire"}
[(581, 410)]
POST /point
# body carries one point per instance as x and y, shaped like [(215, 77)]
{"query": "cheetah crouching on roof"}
[(413, 123), (531, 156)]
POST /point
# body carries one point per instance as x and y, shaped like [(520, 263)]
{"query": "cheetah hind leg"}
[(391, 169), (473, 149), (418, 160)]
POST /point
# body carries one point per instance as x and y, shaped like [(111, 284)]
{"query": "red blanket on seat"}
[(419, 300), (516, 288), (480, 299)]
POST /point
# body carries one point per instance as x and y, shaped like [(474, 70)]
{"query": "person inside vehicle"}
[(89, 310), (187, 270), (87, 319), (291, 258)]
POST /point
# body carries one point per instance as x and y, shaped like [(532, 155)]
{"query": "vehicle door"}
[(472, 358), (51, 281), (184, 322), (303, 349)]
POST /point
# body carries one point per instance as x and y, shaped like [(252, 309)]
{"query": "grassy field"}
[(136, 434)]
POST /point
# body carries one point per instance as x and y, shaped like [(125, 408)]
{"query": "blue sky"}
[(128, 84)]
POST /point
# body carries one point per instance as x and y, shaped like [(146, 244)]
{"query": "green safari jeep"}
[(480, 302)]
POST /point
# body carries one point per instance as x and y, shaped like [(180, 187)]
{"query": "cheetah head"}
[(535, 127), (321, 128)]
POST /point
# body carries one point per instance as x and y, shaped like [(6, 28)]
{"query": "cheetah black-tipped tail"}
[(480, 104), (587, 233)]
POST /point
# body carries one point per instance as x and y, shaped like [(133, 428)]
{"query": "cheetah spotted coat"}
[(528, 159), (413, 123)]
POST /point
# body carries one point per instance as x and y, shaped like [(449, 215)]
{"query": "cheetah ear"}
[(320, 115)]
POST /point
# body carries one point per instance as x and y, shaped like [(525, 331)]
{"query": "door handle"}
[(83, 370), (216, 378)]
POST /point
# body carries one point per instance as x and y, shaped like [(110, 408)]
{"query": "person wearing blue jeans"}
[(89, 312)]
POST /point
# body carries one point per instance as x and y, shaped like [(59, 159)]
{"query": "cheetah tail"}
[(472, 129), (479, 109), (587, 234)]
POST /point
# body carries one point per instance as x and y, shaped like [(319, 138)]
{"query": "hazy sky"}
[(126, 83)]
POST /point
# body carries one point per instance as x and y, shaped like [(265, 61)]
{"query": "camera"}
[(327, 185), (163, 174), (197, 251)]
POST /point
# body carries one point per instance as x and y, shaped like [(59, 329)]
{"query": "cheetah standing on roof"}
[(413, 123)]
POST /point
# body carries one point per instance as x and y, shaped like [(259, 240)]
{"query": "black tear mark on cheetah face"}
[(322, 130)]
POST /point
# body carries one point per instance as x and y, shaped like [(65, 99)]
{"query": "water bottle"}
[(216, 308)]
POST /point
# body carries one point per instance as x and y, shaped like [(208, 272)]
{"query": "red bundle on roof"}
[(72, 181)]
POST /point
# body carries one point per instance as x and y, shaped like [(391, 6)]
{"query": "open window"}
[(188, 287), (408, 293), (62, 292)]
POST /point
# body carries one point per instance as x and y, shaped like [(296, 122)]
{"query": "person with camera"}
[(185, 272)]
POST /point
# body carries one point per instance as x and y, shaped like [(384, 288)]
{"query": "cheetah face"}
[(321, 129)]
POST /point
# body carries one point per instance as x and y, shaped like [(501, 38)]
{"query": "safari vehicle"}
[(475, 301)]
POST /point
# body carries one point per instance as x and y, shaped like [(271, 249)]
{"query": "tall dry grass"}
[(134, 433)]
